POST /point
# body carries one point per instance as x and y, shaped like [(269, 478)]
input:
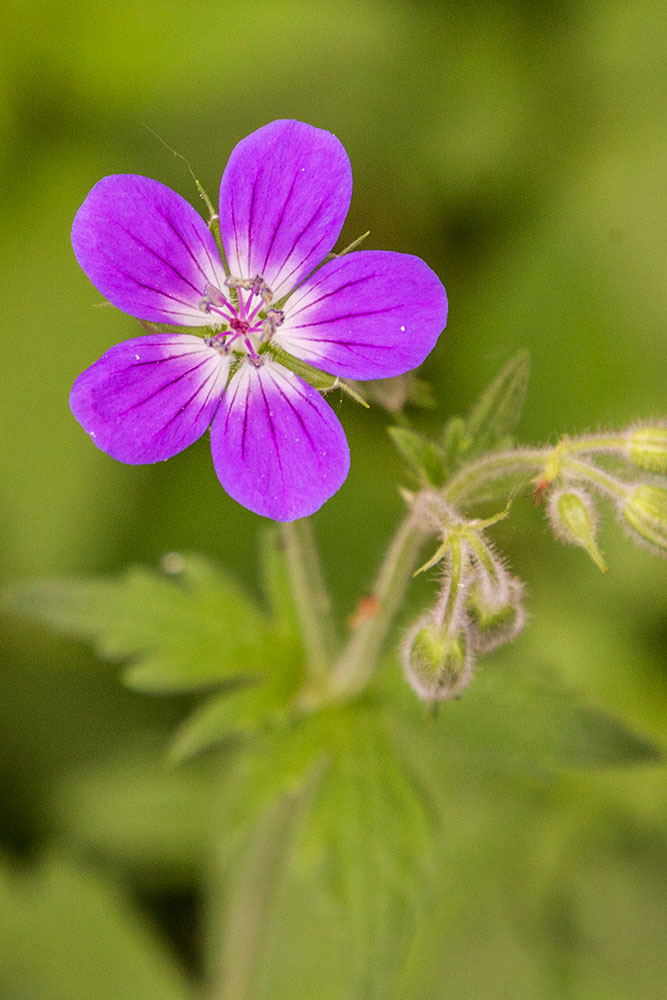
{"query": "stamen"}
[(256, 286), (274, 319), (213, 301)]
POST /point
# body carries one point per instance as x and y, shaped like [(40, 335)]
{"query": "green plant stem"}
[(612, 487), (359, 658), (464, 486), (311, 598), (456, 573), (252, 889), (596, 442)]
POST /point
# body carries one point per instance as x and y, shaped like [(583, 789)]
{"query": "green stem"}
[(456, 574), (311, 597), (600, 478), (252, 889), (464, 485), (359, 657), (596, 442)]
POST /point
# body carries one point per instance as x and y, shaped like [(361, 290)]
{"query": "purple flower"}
[(278, 447)]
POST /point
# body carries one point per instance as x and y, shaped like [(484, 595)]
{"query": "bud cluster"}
[(641, 503), (479, 607)]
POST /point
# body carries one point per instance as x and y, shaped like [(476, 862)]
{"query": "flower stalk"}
[(311, 598)]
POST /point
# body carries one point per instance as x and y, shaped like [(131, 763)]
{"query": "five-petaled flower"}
[(278, 447)]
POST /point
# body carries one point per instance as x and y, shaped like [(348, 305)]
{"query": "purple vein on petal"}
[(294, 409), (206, 250), (295, 390), (183, 408), (207, 278), (251, 214), (233, 401), (159, 256), (279, 223), (327, 295), (273, 432), (156, 291), (245, 421), (236, 232), (336, 319), (163, 387), (170, 357), (296, 242)]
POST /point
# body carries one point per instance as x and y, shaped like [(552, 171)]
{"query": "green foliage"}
[(423, 456), (524, 724), (366, 833), (67, 933), (185, 628), (488, 426), (498, 410)]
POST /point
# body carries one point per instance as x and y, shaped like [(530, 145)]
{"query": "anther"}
[(274, 319)]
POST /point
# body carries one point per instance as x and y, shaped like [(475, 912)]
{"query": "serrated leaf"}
[(367, 826), (187, 629), (422, 455), (498, 409)]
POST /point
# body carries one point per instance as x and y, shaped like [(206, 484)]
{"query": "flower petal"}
[(278, 448), (146, 249), (284, 196), (371, 314), (149, 398)]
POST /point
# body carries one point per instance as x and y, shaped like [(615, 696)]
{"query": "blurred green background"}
[(521, 149)]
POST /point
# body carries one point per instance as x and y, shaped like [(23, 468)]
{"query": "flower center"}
[(246, 315)]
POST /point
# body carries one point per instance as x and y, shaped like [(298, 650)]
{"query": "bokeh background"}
[(521, 149)]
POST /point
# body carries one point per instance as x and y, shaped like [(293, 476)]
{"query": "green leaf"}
[(422, 455), (221, 718), (190, 627), (454, 442), (523, 724), (499, 408), (138, 814), (367, 831), (67, 933)]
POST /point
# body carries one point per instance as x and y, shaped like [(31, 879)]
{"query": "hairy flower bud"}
[(574, 519), (645, 511), (437, 663), (647, 448), (496, 613)]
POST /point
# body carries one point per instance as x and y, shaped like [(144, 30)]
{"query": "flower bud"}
[(645, 511), (437, 664), (574, 519), (497, 614), (647, 448)]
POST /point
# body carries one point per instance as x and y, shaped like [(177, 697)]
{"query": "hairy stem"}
[(598, 477), (311, 597), (359, 658), (466, 484)]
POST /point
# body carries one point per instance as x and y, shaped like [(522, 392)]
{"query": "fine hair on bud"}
[(496, 614), (644, 514), (574, 520), (647, 447), (437, 662)]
